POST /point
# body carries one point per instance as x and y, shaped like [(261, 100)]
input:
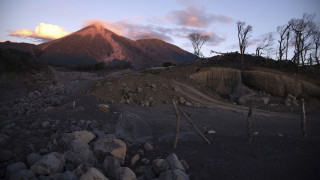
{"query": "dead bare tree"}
[(197, 41), (243, 36), (316, 41), (302, 30), (265, 45), (284, 32)]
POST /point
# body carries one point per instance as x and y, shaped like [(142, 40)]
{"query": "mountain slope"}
[(165, 51), (94, 44)]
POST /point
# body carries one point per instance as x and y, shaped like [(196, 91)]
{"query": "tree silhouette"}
[(243, 36), (197, 41)]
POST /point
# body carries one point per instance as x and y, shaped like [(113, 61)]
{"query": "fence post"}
[(303, 120), (249, 123)]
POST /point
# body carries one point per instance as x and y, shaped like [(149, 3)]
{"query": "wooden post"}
[(249, 123), (177, 124), (303, 120)]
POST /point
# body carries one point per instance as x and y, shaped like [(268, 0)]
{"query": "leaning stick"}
[(194, 127), (177, 125)]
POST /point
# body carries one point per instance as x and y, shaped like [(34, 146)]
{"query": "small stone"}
[(111, 166), (93, 174), (82, 169), (160, 165), (50, 163), (148, 147), (15, 167), (153, 86), (141, 152), (175, 174), (279, 135), (127, 174), (182, 100), (45, 124), (104, 108), (210, 131), (139, 89), (24, 174), (189, 104), (5, 155), (145, 161), (174, 162), (256, 133), (33, 158), (135, 159)]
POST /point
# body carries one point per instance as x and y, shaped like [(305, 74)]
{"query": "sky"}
[(38, 21)]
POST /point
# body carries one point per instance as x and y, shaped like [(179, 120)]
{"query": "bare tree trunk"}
[(303, 121), (177, 124), (287, 47), (249, 123)]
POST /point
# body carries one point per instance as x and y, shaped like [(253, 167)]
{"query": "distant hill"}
[(24, 47), (94, 44)]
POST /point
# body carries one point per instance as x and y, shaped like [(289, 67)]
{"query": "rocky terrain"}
[(121, 124)]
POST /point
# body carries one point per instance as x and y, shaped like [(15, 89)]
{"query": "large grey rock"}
[(160, 165), (127, 174), (93, 174), (175, 174), (24, 175), (133, 128), (15, 167), (80, 153), (112, 167), (50, 163), (33, 158), (145, 173), (105, 146), (174, 162)]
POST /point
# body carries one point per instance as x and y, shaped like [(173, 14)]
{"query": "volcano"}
[(95, 43)]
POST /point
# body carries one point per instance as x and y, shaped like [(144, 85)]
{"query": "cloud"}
[(195, 17), (42, 32), (132, 30)]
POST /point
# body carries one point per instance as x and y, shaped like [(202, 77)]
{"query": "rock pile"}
[(35, 101), (84, 156)]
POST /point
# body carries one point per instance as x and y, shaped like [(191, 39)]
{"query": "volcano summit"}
[(95, 43)]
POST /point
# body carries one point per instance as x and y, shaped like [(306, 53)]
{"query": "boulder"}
[(15, 167), (174, 162), (112, 167), (105, 146), (145, 172), (50, 163), (80, 152), (33, 158), (24, 174), (104, 108), (85, 136), (82, 169), (127, 174), (160, 165), (175, 174), (93, 174)]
